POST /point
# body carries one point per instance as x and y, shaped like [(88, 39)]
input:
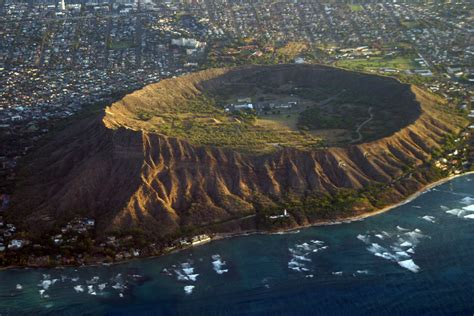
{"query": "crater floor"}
[(260, 109)]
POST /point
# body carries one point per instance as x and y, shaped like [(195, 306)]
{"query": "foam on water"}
[(322, 248), (300, 255), (186, 273), (90, 290), (180, 276), (301, 258), (457, 212), (193, 277), (94, 280), (396, 248), (385, 255), (45, 284), (119, 282), (186, 265), (394, 245), (396, 251), (218, 264), (409, 265), (469, 208), (376, 248), (364, 238), (415, 236), (402, 254), (188, 289), (467, 200), (429, 218), (188, 270), (118, 286)]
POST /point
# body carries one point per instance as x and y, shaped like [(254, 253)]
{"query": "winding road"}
[(359, 138)]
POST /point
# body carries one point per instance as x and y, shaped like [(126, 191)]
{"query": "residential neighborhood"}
[(55, 62)]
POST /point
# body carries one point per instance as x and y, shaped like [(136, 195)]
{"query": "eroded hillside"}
[(121, 171)]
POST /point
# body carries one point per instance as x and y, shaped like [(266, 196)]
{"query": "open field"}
[(411, 24), (356, 7), (279, 121), (292, 49), (120, 44), (207, 124), (375, 63)]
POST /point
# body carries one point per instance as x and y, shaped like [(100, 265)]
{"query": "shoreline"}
[(347, 220), (221, 236)]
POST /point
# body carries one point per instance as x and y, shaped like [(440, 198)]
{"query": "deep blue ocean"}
[(417, 259)]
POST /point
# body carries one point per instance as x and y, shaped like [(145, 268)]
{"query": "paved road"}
[(359, 138), (331, 98)]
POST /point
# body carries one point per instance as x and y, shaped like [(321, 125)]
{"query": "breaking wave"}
[(399, 250)]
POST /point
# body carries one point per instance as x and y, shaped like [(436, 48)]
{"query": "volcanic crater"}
[(221, 150)]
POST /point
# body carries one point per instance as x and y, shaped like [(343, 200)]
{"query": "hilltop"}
[(189, 155), (262, 109)]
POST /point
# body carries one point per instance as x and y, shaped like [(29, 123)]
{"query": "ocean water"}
[(416, 259)]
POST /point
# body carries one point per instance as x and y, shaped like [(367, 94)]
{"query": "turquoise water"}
[(416, 259)]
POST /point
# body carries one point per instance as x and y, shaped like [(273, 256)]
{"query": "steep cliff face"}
[(124, 177)]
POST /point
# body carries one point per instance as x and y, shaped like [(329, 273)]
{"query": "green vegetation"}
[(144, 116), (290, 51), (287, 112), (356, 7), (260, 51), (349, 202), (415, 79), (202, 122), (120, 44), (411, 24), (315, 207), (375, 63), (315, 118)]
